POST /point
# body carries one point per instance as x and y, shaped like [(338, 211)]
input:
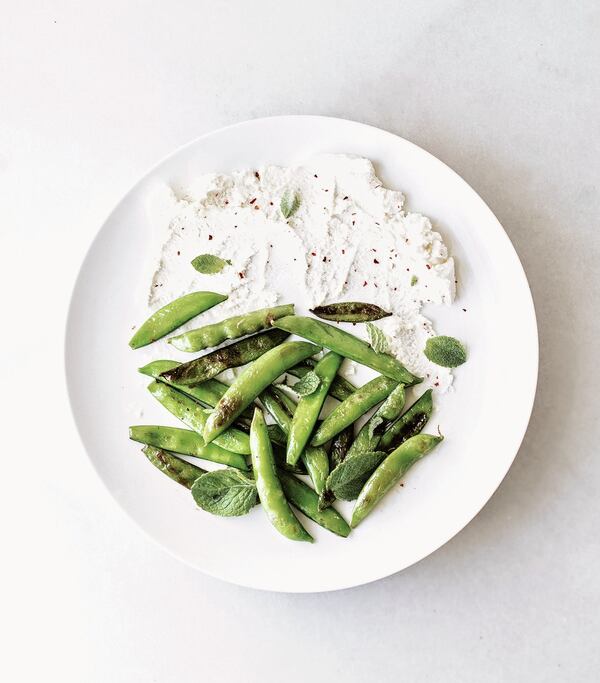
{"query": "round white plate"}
[(483, 420)]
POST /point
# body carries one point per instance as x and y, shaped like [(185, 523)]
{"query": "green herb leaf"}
[(227, 493), (207, 264), (377, 339), (308, 384), (413, 280), (290, 203), (348, 478), (445, 351)]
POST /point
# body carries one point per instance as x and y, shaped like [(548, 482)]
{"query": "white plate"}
[(484, 420)]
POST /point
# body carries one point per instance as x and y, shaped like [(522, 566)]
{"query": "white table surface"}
[(91, 94)]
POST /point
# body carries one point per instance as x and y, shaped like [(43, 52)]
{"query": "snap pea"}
[(340, 388), (348, 411), (254, 379), (178, 470), (231, 328), (194, 416), (239, 353), (350, 312), (409, 424), (173, 315), (185, 442), (268, 485), (346, 345), (208, 393), (309, 406), (306, 500), (389, 473), (282, 408)]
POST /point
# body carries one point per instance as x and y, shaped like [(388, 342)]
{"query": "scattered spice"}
[(210, 237), (365, 283), (257, 175), (179, 254), (465, 310), (252, 200), (324, 259), (428, 266), (256, 206), (343, 251), (346, 197), (375, 261), (241, 274), (313, 253)]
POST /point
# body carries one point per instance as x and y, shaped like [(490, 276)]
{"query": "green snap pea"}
[(308, 408), (389, 473), (346, 345), (239, 353), (347, 412), (409, 424), (306, 500), (282, 408), (254, 379), (268, 485), (350, 312), (185, 442), (208, 393), (231, 328), (340, 388), (173, 315), (194, 416), (178, 470)]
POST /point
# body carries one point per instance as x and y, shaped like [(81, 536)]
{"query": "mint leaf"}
[(290, 203), (377, 339), (307, 384), (445, 351), (413, 280), (227, 493), (348, 478), (207, 264)]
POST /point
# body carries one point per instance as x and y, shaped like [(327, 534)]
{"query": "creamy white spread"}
[(350, 240)]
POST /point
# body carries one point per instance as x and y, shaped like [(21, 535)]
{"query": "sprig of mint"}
[(445, 351), (348, 478), (308, 384), (208, 264), (290, 203), (377, 339), (227, 493)]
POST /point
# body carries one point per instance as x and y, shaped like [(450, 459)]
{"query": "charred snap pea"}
[(340, 446), (185, 442), (179, 470), (231, 328), (282, 408), (309, 406), (389, 473), (350, 312), (268, 485), (239, 353), (194, 416), (208, 393), (306, 500), (347, 412), (173, 315), (340, 388), (346, 345), (409, 424), (253, 380)]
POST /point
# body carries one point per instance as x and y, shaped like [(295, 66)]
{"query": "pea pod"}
[(173, 315), (340, 388), (194, 416), (346, 345), (178, 470), (254, 379), (231, 328), (350, 312), (208, 393), (389, 473), (308, 408), (185, 442), (306, 500), (282, 408), (268, 485), (409, 424), (347, 412), (239, 353)]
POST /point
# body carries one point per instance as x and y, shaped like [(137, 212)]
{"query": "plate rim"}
[(533, 347)]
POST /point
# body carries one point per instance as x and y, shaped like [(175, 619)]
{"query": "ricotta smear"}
[(350, 240)]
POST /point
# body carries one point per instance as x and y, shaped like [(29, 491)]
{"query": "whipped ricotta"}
[(350, 240)]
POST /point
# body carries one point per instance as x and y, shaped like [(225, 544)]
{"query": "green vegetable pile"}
[(227, 423)]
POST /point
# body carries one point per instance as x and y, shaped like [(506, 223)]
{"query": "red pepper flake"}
[(436, 384), (346, 197), (210, 237), (375, 261), (365, 283), (227, 201), (324, 259), (428, 266), (241, 274), (313, 253), (252, 200), (257, 175)]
